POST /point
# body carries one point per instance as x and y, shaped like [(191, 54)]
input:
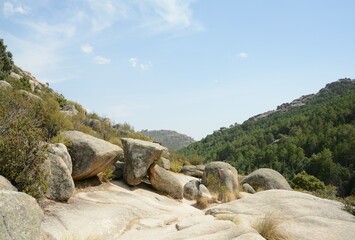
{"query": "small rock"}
[(247, 188), (6, 185)]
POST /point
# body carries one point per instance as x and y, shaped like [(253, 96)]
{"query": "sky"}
[(191, 66)]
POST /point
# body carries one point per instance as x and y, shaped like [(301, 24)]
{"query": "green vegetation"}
[(34, 116), (303, 181), (6, 63), (317, 137), (22, 150)]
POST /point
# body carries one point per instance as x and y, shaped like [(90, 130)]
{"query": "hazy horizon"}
[(189, 66)]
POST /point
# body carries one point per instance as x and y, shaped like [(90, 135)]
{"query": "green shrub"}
[(22, 151), (307, 182), (196, 159)]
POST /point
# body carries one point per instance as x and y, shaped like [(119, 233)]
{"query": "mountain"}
[(170, 139), (315, 133)]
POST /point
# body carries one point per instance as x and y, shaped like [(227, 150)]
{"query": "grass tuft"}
[(269, 228)]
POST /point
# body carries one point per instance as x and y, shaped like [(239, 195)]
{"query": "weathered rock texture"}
[(6, 185), (221, 178), (266, 178), (90, 155), (194, 171), (164, 181), (164, 163), (60, 150), (138, 157), (20, 216), (60, 183), (300, 215), (191, 189)]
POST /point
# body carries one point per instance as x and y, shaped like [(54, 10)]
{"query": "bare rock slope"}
[(121, 212)]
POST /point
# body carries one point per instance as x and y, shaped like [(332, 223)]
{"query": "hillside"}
[(315, 133), (170, 139)]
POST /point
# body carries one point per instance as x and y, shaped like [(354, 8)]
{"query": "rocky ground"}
[(116, 211)]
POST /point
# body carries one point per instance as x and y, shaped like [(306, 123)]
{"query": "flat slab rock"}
[(124, 212), (302, 216)]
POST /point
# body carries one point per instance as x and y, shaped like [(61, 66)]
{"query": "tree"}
[(6, 63)]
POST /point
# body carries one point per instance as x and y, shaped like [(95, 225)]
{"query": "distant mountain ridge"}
[(285, 107), (170, 139)]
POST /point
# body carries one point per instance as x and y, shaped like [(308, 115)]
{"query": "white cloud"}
[(135, 63), (243, 55), (10, 9), (101, 60), (86, 48), (153, 15), (105, 13)]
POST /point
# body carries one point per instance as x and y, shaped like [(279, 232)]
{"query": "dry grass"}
[(202, 202), (73, 236), (229, 217), (269, 228)]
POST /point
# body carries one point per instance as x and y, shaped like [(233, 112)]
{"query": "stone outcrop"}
[(266, 178), (90, 155), (6, 185), (164, 181), (20, 216), (60, 182), (69, 110), (221, 178), (299, 215), (194, 171), (138, 157)]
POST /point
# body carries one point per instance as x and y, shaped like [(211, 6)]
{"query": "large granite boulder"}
[(89, 154), (60, 182), (138, 157), (266, 178), (222, 179), (6, 185), (164, 181), (20, 216)]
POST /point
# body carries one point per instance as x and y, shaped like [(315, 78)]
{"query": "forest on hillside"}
[(318, 138)]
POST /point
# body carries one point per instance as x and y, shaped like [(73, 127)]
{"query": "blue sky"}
[(187, 65)]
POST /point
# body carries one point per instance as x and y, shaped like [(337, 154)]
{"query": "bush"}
[(307, 182), (22, 151)]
